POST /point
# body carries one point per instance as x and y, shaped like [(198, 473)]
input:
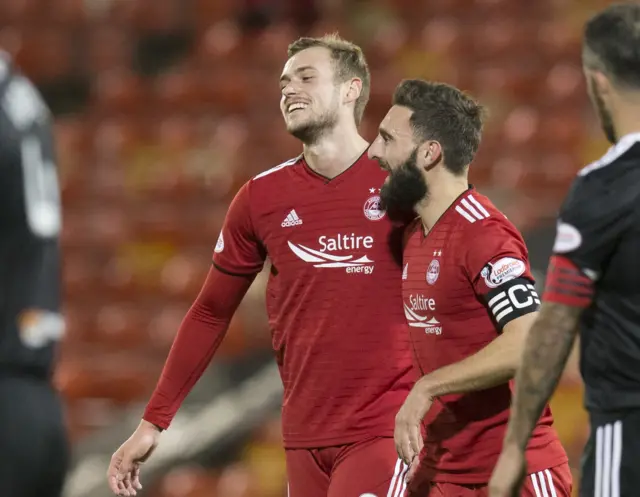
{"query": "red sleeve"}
[(498, 266), (239, 250), (497, 254), (200, 334), (567, 284)]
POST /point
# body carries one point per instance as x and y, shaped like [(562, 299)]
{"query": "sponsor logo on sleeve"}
[(568, 238), (219, 244), (501, 271)]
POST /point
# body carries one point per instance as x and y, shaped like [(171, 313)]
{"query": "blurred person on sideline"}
[(593, 281), (33, 437), (333, 297), (468, 296)]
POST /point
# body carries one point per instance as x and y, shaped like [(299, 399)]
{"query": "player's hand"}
[(413, 469), (407, 434), (509, 473), (123, 474)]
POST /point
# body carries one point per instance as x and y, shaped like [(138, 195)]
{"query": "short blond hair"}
[(349, 63)]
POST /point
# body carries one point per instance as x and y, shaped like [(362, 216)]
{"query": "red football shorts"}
[(552, 482), (363, 469)]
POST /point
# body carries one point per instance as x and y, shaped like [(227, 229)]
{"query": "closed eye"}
[(385, 136)]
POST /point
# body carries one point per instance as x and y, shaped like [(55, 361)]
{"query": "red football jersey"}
[(461, 283), (334, 297)]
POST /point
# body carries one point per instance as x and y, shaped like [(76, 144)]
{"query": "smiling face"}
[(310, 102)]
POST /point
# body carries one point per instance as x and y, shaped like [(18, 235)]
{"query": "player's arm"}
[(238, 257), (493, 365), (587, 234), (198, 337)]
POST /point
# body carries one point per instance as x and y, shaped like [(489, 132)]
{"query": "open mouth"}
[(295, 107)]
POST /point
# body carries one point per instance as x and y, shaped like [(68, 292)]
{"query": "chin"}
[(297, 126)]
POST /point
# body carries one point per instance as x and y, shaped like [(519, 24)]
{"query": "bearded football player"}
[(468, 297)]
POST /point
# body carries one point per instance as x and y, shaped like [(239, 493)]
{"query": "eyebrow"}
[(285, 77), (384, 133)]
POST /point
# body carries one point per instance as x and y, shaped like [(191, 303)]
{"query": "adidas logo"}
[(292, 219)]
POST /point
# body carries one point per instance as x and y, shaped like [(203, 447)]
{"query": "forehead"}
[(318, 58), (397, 121)]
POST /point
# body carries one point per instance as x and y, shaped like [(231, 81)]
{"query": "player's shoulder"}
[(607, 184), (277, 173), (477, 215), (619, 159), (271, 180)]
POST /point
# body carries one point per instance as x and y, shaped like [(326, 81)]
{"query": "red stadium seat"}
[(558, 39), (72, 140), (120, 327), (79, 323), (271, 46), (107, 225), (488, 9), (118, 138), (118, 91), (45, 53), (183, 275), (81, 275), (163, 325), (15, 12), (158, 15), (227, 89), (74, 230), (498, 40), (236, 481), (521, 126), (67, 13), (385, 44), (206, 13), (109, 47), (160, 222), (562, 129), (220, 42), (120, 378), (445, 35), (177, 90), (10, 40), (188, 481), (564, 84), (118, 277)]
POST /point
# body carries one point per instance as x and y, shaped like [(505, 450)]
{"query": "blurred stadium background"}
[(165, 107)]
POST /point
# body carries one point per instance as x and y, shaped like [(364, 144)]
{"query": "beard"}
[(404, 188), (310, 131), (606, 121)]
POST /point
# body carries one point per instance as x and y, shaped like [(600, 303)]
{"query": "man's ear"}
[(354, 90), (430, 154)]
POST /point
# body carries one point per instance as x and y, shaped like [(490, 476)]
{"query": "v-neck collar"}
[(323, 180)]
